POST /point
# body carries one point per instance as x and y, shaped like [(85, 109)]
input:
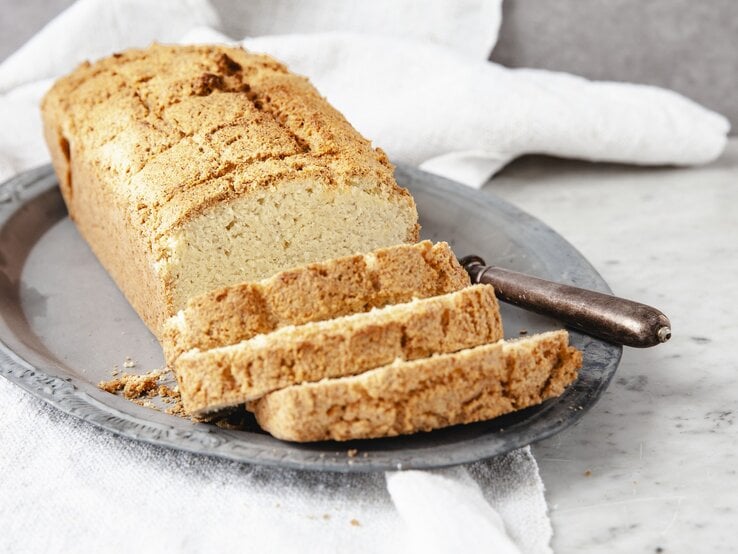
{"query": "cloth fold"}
[(69, 487), (469, 27), (451, 113), (465, 119), (498, 503)]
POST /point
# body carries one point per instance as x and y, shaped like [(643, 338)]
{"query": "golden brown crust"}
[(406, 397), (168, 132), (315, 292), (232, 375), (126, 256), (203, 113)]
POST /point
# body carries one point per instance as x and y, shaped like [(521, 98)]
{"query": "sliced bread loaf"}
[(231, 375), (314, 292), (409, 396), (190, 168)]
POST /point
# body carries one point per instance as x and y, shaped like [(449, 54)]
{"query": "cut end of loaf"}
[(314, 292), (277, 228)]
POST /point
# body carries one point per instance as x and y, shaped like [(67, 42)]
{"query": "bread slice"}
[(188, 168), (231, 375), (410, 396), (315, 292)]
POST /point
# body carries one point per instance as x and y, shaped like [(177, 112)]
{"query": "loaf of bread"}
[(315, 292), (232, 375), (190, 168), (410, 396)]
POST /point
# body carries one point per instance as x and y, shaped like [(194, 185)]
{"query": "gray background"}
[(689, 46)]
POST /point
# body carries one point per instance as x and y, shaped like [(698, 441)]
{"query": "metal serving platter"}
[(64, 325)]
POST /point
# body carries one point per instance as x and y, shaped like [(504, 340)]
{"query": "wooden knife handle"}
[(608, 317)]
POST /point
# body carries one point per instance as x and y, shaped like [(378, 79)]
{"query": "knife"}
[(605, 316)]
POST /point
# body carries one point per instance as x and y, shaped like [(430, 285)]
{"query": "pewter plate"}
[(64, 325)]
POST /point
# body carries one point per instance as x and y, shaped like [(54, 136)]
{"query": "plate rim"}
[(78, 398)]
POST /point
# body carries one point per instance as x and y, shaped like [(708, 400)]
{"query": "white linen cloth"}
[(412, 75), (66, 486), (431, 100)]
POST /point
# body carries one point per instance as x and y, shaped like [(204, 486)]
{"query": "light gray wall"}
[(688, 45), (20, 19)]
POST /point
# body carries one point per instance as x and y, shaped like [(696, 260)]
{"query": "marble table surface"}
[(652, 467)]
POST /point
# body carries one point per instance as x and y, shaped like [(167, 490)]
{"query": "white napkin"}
[(446, 109), (465, 119), (69, 487), (467, 26)]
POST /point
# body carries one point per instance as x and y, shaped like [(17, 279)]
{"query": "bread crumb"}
[(224, 423), (112, 386), (355, 523), (128, 363), (140, 388), (134, 386), (233, 420), (326, 516), (166, 392), (176, 410), (352, 452), (588, 473)]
